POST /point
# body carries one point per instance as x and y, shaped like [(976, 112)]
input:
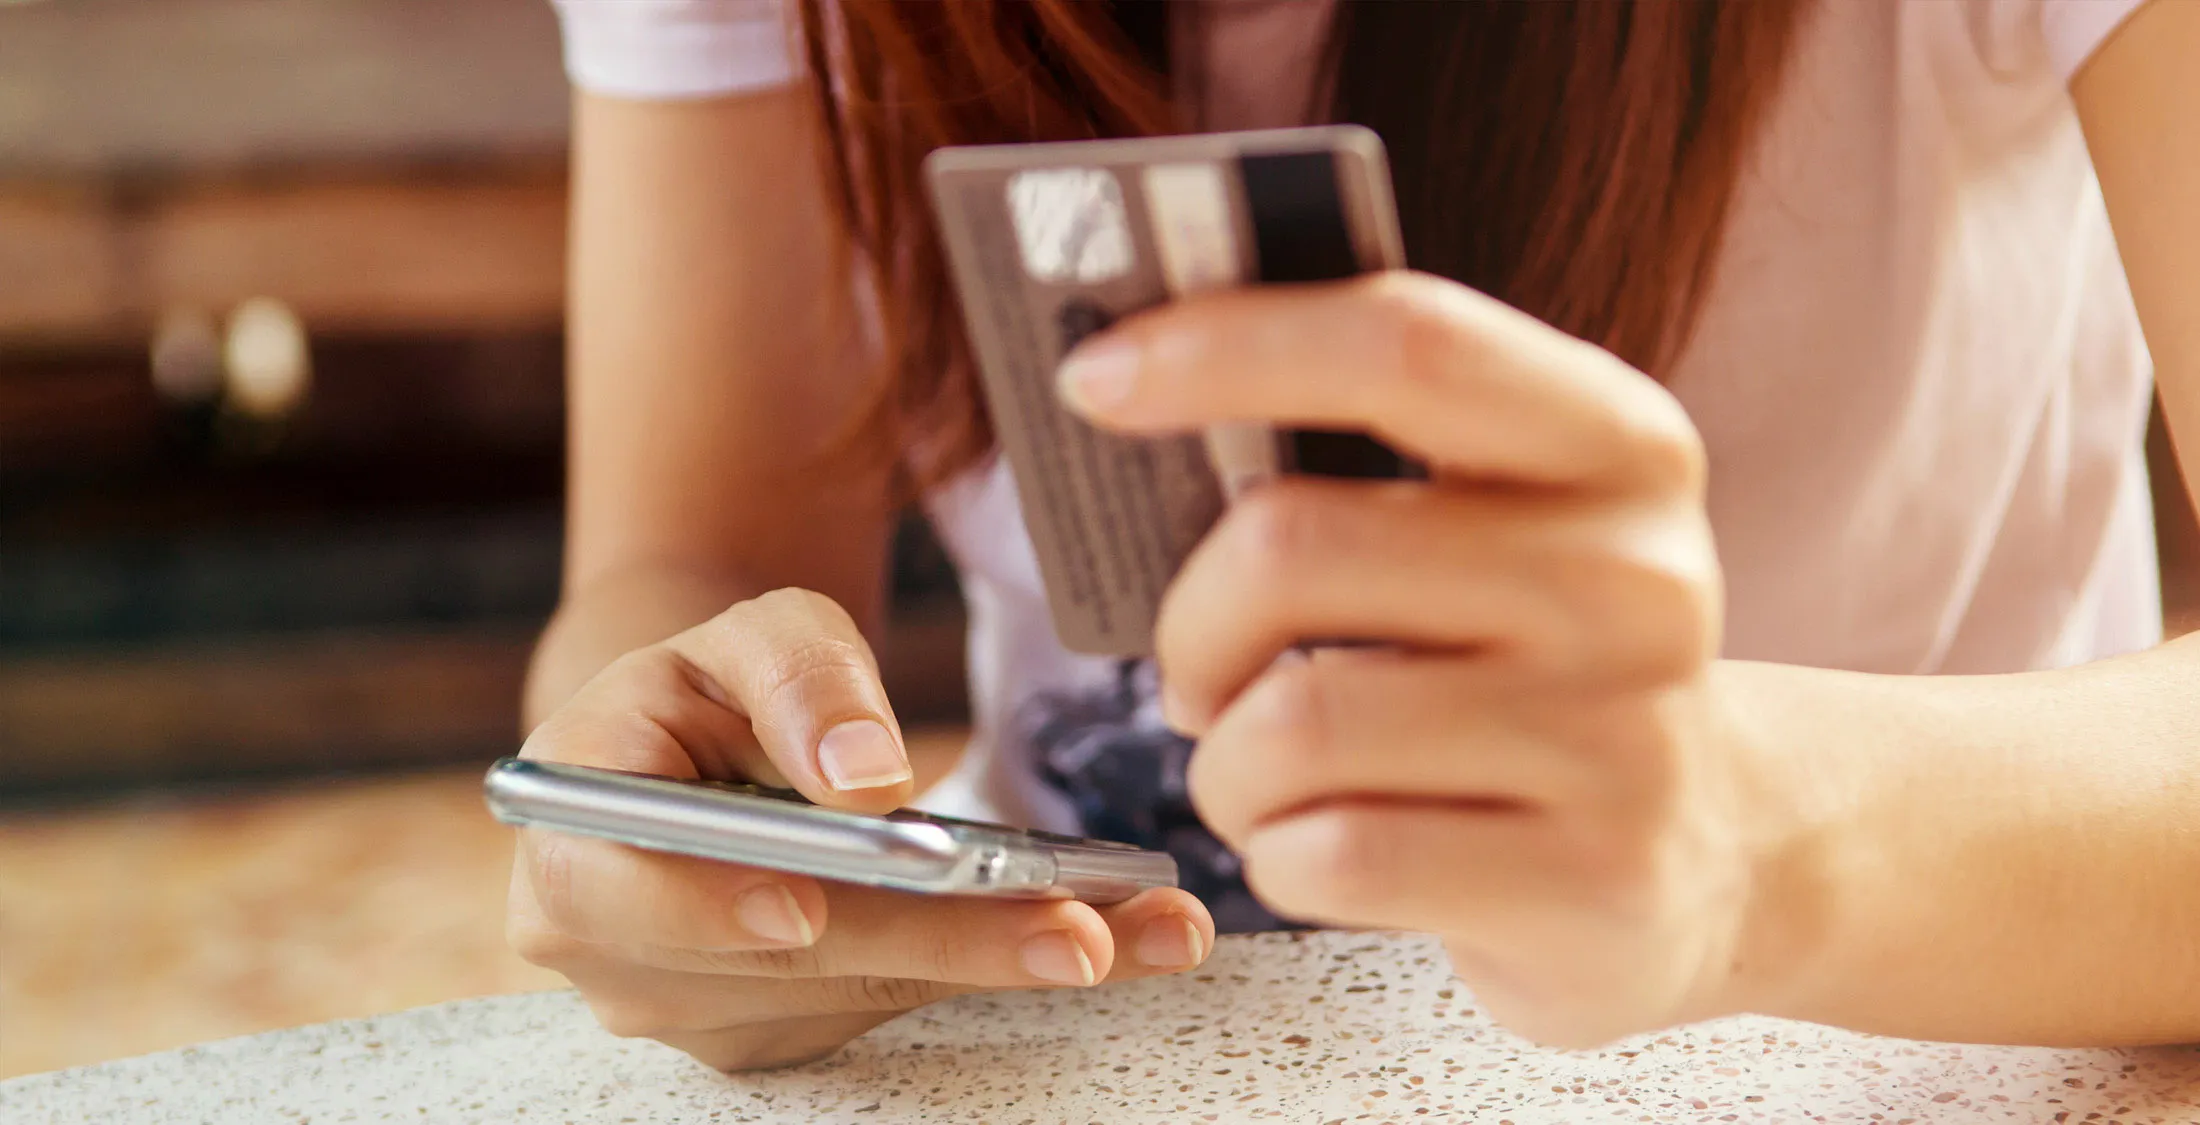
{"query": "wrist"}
[(1807, 748), (1925, 841)]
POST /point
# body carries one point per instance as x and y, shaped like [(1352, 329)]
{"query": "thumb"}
[(795, 664)]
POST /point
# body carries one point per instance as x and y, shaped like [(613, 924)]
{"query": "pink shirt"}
[(1919, 373)]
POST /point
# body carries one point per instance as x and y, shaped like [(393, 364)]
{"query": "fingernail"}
[(861, 754), (1057, 957), (772, 913), (1099, 376), (1170, 942)]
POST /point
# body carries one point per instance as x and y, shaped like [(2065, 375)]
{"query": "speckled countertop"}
[(1325, 1028)]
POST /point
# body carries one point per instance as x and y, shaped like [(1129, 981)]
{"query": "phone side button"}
[(1110, 876), (997, 869)]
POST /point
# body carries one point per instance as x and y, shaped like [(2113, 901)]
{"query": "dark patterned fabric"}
[(1122, 769)]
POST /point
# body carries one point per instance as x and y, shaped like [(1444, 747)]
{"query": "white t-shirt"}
[(1919, 373)]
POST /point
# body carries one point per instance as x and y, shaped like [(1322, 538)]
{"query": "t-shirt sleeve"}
[(673, 49), (2074, 29)]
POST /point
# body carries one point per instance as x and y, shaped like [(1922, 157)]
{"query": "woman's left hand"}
[(1537, 764)]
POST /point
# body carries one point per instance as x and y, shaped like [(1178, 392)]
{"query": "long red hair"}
[(1575, 159)]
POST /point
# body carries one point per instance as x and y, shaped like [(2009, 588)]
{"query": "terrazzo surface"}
[(1326, 1028)]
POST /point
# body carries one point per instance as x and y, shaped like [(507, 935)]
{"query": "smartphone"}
[(1049, 243), (782, 830)]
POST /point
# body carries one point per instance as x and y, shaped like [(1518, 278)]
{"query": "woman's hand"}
[(1536, 766), (743, 967)]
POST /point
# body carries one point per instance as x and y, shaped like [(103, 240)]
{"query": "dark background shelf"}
[(355, 589), (184, 595)]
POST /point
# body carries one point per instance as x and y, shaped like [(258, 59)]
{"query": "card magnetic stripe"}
[(1301, 233)]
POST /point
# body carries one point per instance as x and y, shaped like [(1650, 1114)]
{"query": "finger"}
[(599, 892), (797, 666), (1163, 930), (1435, 368), (650, 711), (1362, 723), (1600, 592), (1160, 931), (631, 998), (1432, 866), (1003, 943), (681, 913)]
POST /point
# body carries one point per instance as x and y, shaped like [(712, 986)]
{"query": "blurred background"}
[(280, 287), (280, 459)]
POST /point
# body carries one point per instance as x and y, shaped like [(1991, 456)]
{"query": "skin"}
[(1611, 829), (710, 369)]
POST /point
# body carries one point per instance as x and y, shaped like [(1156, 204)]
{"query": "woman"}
[(1828, 287)]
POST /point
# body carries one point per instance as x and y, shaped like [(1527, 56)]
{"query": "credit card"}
[(1049, 243)]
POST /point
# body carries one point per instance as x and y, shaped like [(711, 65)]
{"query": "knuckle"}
[(580, 731), (800, 630), (789, 605), (1293, 710), (1651, 434), (1667, 457), (1422, 325), (551, 741), (1673, 635), (1273, 529), (1637, 769), (939, 956), (662, 672), (1341, 866), (880, 994), (1683, 461), (819, 662), (771, 603), (1210, 786), (553, 882), (715, 936), (655, 681), (642, 672), (1283, 734), (1184, 637), (623, 701), (1647, 615), (799, 963)]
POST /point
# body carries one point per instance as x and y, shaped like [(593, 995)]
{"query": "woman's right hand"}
[(743, 967)]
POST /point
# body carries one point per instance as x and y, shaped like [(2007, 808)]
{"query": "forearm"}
[(713, 374), (2010, 859)]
